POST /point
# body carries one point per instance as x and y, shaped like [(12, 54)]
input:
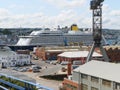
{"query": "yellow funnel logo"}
[(74, 27)]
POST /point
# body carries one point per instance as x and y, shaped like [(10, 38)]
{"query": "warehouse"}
[(76, 56), (106, 76), (50, 53)]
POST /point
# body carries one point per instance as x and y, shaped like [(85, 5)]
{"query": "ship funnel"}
[(74, 27)]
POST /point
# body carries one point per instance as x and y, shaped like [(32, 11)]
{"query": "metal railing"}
[(26, 85)]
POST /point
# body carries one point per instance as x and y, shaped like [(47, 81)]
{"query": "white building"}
[(10, 58), (97, 75)]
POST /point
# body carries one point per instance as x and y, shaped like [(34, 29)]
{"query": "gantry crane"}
[(96, 7)]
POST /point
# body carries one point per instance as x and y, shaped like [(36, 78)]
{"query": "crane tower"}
[(96, 7)]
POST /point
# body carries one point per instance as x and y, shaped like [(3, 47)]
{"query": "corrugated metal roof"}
[(7, 53), (104, 70), (75, 54), (62, 50)]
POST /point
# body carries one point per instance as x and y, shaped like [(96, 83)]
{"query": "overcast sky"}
[(51, 13)]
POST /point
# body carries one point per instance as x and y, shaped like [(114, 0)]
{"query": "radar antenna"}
[(96, 7)]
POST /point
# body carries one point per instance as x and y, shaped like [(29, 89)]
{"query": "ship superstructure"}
[(55, 37)]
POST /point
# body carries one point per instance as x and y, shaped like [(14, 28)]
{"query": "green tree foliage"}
[(6, 32)]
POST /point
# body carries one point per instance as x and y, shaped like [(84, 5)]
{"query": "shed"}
[(76, 55)]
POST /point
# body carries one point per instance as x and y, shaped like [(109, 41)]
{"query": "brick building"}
[(76, 55), (50, 53), (47, 54), (23, 52)]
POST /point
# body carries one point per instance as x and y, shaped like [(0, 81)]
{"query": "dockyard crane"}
[(96, 7)]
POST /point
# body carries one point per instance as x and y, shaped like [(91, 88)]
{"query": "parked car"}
[(48, 61), (76, 62), (36, 66), (35, 69), (23, 70), (16, 68), (75, 66), (53, 62), (35, 58), (64, 62)]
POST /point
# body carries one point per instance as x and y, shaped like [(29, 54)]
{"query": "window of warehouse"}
[(94, 79), (84, 87), (93, 88), (84, 76), (117, 86), (106, 83)]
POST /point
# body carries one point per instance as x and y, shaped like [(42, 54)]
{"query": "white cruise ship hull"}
[(45, 40)]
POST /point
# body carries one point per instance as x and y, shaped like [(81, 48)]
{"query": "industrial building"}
[(94, 75), (50, 53), (77, 56)]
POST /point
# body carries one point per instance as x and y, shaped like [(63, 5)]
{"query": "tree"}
[(6, 32)]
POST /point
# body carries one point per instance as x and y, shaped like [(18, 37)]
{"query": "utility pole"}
[(96, 7)]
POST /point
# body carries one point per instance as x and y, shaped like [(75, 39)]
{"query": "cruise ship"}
[(57, 37)]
